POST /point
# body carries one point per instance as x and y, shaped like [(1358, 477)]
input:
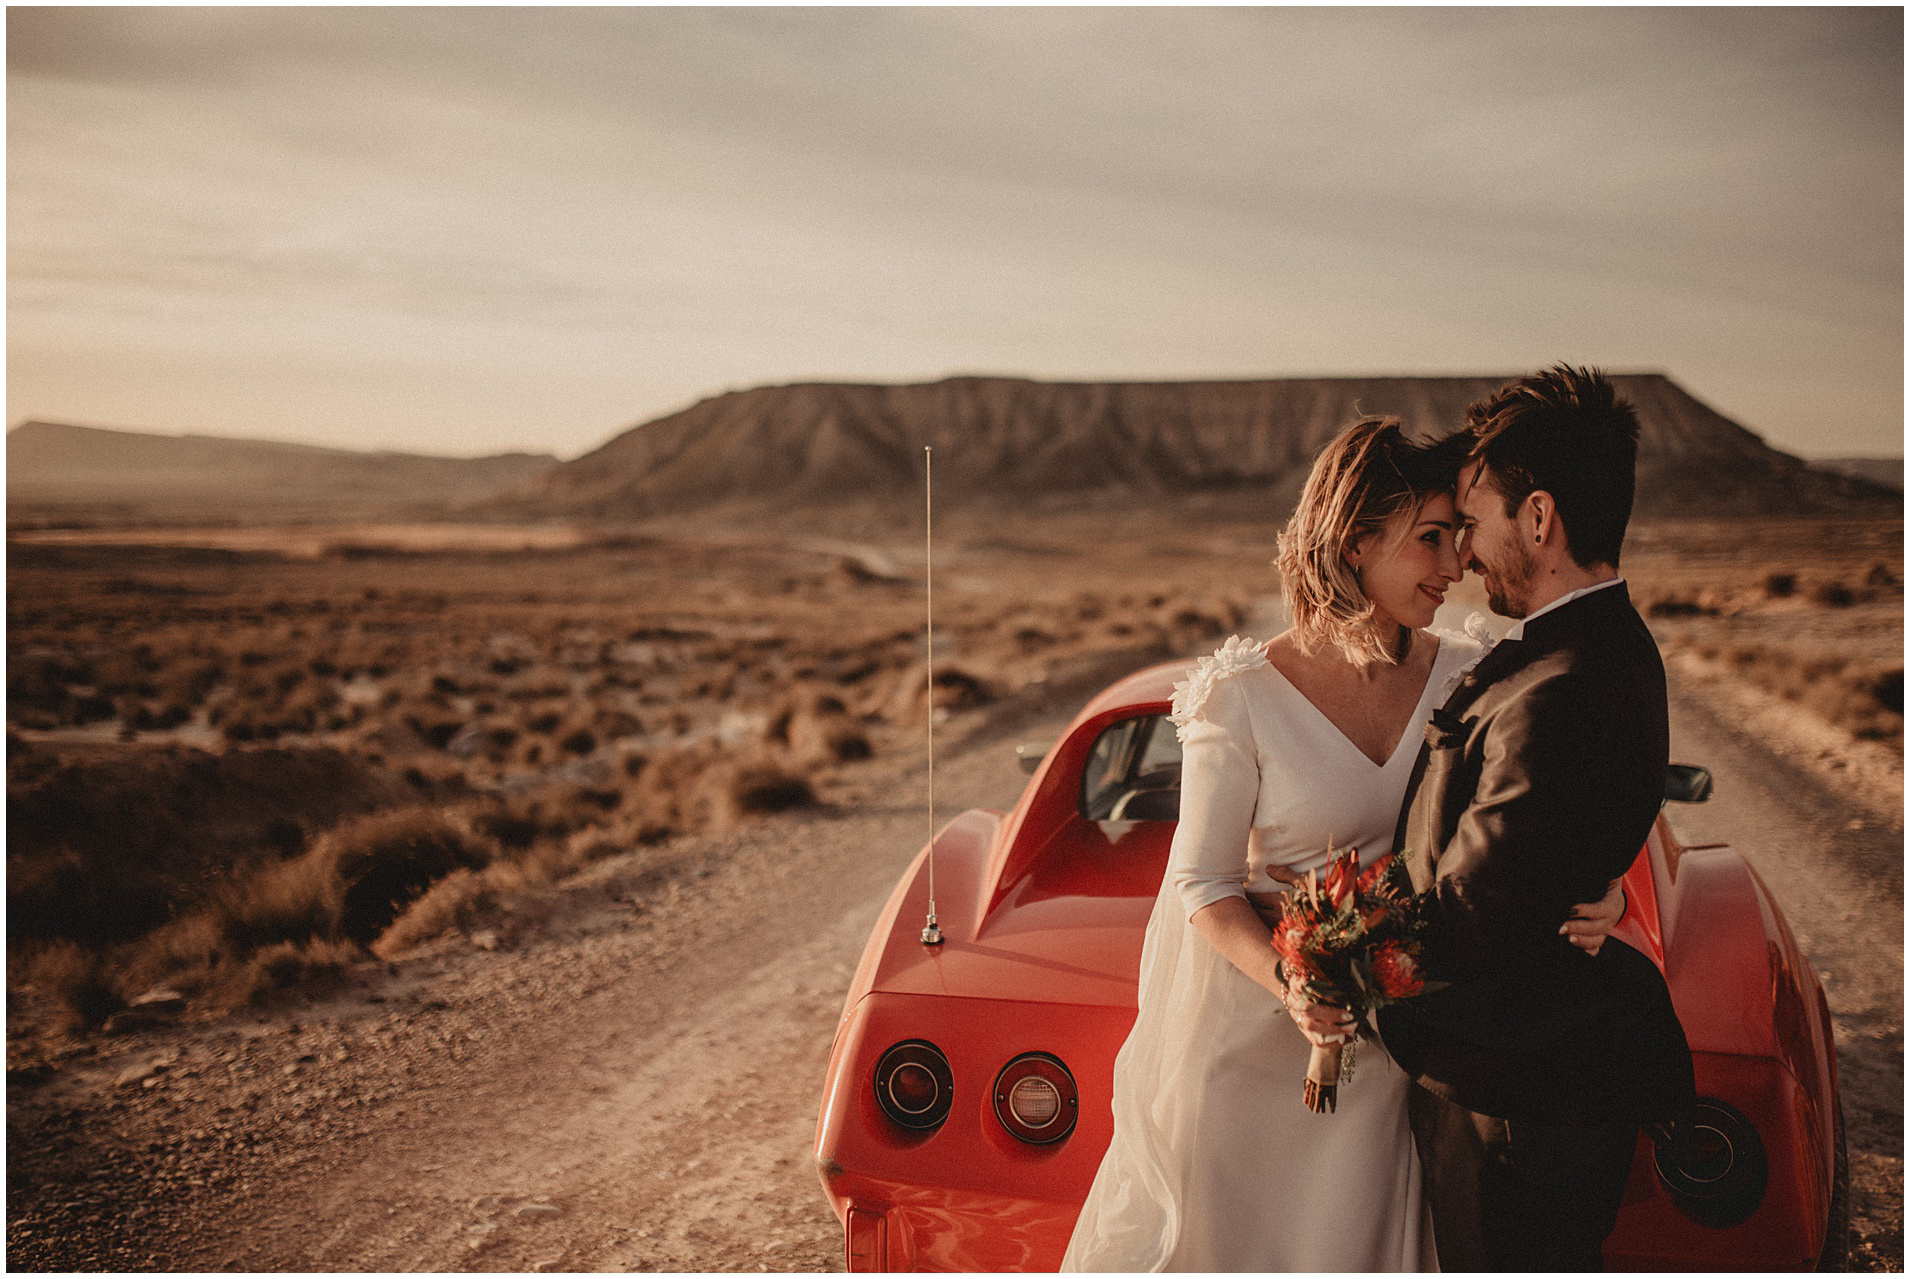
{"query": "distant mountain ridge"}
[(1887, 471), (52, 464), (999, 439)]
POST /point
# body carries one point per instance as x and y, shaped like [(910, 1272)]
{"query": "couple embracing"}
[(1495, 1129)]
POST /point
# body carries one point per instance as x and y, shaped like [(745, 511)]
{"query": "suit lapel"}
[(1421, 814), (1448, 727)]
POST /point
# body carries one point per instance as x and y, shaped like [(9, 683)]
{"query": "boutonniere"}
[(1445, 730), (1479, 631)]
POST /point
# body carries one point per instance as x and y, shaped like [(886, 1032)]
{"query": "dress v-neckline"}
[(1405, 733)]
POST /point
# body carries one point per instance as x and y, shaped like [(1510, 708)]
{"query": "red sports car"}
[(967, 1102)]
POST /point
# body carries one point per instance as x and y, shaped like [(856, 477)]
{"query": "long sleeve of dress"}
[(1220, 786)]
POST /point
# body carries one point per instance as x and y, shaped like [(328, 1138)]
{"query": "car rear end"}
[(986, 1168)]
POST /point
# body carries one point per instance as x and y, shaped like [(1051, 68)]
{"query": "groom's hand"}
[(1269, 906), (1591, 922)]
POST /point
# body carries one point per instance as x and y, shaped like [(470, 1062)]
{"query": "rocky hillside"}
[(1009, 438), (53, 467)]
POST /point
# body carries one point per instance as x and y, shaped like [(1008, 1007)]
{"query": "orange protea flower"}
[(1375, 874), (1396, 971), (1341, 876)]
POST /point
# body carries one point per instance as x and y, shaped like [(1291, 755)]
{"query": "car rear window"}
[(1133, 772)]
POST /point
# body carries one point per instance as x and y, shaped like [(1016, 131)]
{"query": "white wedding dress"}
[(1215, 1163)]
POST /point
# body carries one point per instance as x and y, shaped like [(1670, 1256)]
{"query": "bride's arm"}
[(1233, 928), (1220, 790)]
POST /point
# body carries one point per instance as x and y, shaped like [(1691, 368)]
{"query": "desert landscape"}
[(470, 881)]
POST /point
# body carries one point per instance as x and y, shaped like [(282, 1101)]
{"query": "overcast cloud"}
[(465, 230)]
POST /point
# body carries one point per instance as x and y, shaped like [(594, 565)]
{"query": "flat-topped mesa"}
[(1001, 439)]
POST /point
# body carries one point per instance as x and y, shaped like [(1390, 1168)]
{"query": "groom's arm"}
[(1571, 775)]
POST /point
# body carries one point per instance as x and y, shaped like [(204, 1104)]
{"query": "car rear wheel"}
[(1836, 1252)]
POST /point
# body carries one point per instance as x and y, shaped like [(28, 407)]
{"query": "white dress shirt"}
[(1518, 627)]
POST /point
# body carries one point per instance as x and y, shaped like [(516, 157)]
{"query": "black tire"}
[(1836, 1251)]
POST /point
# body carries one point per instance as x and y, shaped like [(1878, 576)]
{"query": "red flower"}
[(1370, 881), (1341, 876), (1397, 971)]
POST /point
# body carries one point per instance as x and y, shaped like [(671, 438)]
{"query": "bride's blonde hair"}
[(1368, 475)]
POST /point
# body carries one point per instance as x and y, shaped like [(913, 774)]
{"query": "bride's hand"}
[(1320, 1023), (1591, 922)]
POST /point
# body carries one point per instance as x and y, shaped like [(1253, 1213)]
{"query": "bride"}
[(1215, 1163)]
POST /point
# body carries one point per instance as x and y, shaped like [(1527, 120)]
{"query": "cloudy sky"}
[(470, 230)]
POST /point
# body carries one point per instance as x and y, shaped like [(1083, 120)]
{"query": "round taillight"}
[(1035, 1098), (913, 1084), (1712, 1161)]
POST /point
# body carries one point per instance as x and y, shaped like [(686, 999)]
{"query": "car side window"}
[(1133, 772)]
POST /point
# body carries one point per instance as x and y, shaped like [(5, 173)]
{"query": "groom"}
[(1538, 784)]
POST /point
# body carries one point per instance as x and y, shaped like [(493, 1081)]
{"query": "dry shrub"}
[(704, 786), (959, 690), (1834, 595), (74, 981), (61, 892), (615, 724), (460, 902), (279, 967), (1683, 605), (354, 880), (188, 954), (102, 850), (40, 679), (769, 789), (1888, 691), (510, 896), (818, 729), (550, 812), (952, 688), (382, 863), (667, 791)]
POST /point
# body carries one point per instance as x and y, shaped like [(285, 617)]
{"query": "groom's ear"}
[(1539, 518)]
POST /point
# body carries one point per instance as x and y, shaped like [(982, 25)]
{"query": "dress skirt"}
[(1216, 1164)]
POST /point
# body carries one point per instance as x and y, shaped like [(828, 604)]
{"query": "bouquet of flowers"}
[(1350, 939)]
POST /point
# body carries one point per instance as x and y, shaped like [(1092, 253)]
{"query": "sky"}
[(467, 231)]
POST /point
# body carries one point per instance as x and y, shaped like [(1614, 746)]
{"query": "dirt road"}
[(634, 1085)]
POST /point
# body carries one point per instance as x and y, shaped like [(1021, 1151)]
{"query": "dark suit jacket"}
[(1538, 783)]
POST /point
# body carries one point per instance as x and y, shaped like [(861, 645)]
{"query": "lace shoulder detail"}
[(1236, 655), (1478, 636)]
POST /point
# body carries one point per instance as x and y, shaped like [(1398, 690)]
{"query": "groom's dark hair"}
[(1566, 432)]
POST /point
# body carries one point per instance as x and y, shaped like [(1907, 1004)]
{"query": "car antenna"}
[(932, 931)]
